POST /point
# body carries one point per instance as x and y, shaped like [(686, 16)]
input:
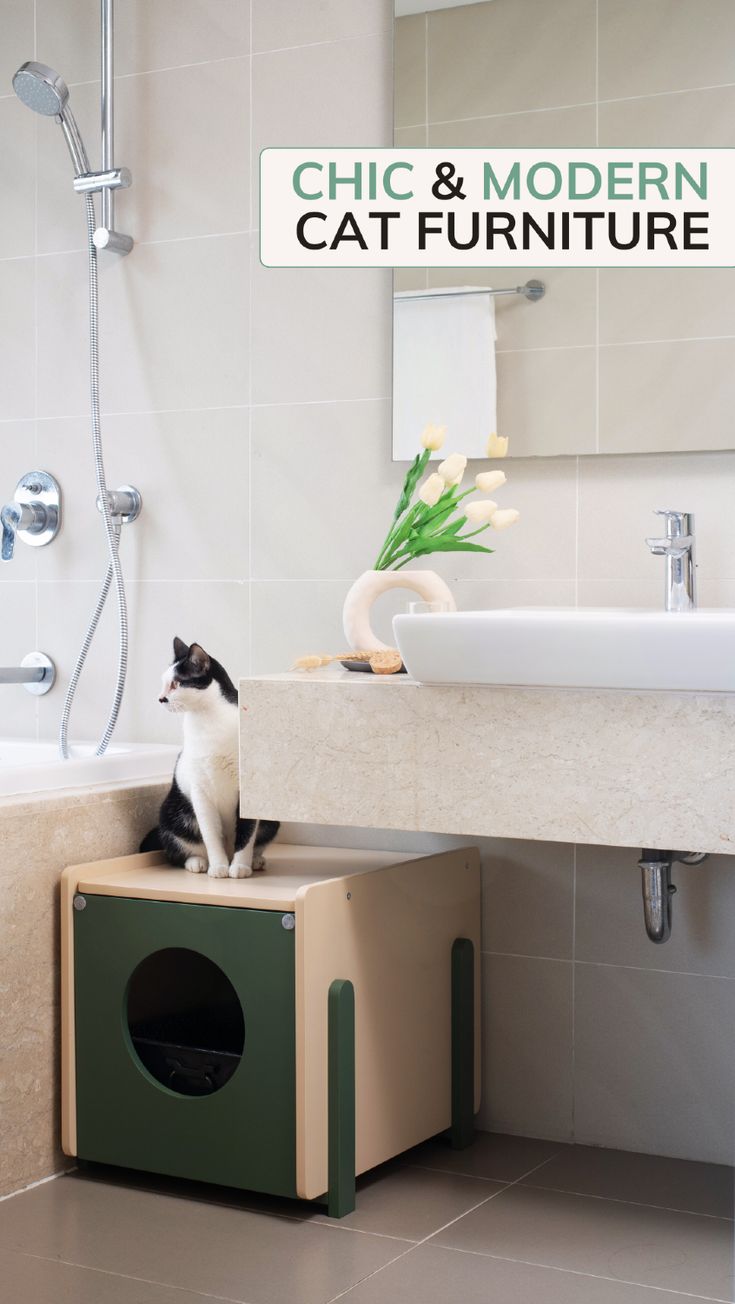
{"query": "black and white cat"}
[(199, 825)]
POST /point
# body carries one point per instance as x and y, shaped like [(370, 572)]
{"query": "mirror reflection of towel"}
[(443, 370)]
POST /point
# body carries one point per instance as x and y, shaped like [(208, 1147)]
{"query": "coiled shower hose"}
[(112, 530)]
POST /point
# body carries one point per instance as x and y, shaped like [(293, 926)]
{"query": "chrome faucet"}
[(678, 548), (34, 515)]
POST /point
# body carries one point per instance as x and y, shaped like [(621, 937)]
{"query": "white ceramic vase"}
[(426, 584)]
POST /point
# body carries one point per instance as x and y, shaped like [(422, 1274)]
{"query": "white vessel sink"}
[(569, 647)]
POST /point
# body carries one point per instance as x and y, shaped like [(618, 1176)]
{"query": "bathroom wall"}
[(252, 409)]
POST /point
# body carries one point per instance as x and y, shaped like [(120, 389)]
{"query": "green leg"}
[(463, 1042), (341, 1071)]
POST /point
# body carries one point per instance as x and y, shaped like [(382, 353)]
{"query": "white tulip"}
[(432, 490), (481, 511), (452, 469), (497, 445), (501, 520), (433, 437), (488, 481)]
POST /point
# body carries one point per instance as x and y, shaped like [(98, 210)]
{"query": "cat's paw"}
[(218, 871), (240, 868), (196, 865), (258, 862)]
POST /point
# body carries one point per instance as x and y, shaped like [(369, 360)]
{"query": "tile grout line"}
[(124, 1276), (417, 1245), (42, 1181), (590, 964), (637, 1204), (591, 1276)]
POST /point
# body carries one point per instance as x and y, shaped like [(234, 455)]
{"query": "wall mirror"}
[(608, 361)]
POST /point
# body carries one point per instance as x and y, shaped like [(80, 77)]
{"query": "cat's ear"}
[(181, 649), (198, 659)]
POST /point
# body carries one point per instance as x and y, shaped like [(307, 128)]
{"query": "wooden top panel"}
[(290, 868)]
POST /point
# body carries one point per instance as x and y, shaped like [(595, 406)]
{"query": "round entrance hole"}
[(185, 1021)]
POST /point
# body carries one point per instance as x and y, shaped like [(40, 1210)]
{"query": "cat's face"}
[(188, 682)]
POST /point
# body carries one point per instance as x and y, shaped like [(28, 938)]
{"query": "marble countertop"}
[(638, 769)]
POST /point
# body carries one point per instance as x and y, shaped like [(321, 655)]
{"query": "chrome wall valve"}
[(34, 515)]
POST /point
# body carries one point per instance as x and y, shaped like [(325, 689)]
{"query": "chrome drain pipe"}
[(658, 890)]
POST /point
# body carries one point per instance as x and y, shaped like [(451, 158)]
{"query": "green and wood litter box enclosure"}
[(280, 1033)]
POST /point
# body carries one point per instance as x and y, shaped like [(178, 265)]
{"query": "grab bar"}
[(36, 673)]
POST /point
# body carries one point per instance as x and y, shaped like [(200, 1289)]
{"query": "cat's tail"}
[(151, 841)]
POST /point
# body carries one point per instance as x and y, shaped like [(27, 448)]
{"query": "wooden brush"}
[(386, 662)]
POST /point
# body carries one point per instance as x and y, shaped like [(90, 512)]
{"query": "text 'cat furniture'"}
[(281, 1033)]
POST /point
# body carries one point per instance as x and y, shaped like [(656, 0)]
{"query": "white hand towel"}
[(443, 369)]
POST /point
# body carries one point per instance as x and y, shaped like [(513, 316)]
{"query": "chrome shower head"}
[(41, 89), (44, 91)]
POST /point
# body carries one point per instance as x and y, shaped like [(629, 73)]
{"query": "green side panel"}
[(463, 1042), (341, 1073), (242, 1135)]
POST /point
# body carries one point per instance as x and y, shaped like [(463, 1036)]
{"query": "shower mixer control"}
[(34, 515)]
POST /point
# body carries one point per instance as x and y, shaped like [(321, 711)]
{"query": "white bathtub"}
[(36, 767)]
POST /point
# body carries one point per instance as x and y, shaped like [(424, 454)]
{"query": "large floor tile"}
[(654, 1062), (492, 1156), (433, 1275), (243, 1256), (29, 1280), (641, 1179), (407, 1202), (646, 1246)]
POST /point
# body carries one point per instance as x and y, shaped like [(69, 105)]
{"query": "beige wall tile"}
[(290, 620), (216, 615), (617, 498), (320, 336), (409, 71), (653, 1071), (17, 165), (162, 34), (648, 48), (570, 127), (190, 467), (17, 339), (18, 709), (157, 311), (335, 454), (18, 454), (543, 491), (180, 133), (527, 898), (18, 38), (666, 303), (564, 317), (281, 23), (484, 40), (672, 396), (409, 137), (609, 889), (688, 118), (527, 1047), (354, 104), (648, 592), (546, 400), (489, 594)]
